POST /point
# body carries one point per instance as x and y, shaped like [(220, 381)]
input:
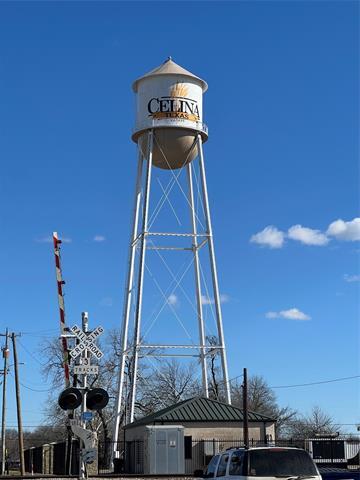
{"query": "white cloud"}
[(291, 314), (49, 239), (270, 237), (206, 300), (294, 314), (224, 298), (348, 231), (351, 278), (308, 236), (172, 299), (106, 302), (99, 238), (44, 240)]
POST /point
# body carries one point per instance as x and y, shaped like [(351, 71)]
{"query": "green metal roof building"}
[(191, 431), (199, 410), (206, 419)]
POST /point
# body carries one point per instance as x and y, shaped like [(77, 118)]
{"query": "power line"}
[(300, 384), (317, 383), (33, 389), (31, 354), (35, 332)]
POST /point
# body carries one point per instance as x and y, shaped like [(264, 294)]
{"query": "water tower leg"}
[(143, 234), (214, 273), (198, 284), (127, 304)]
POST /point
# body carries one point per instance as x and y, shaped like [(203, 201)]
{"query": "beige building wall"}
[(228, 431), (210, 431)]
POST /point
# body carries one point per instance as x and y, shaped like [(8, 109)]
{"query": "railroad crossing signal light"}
[(70, 399), (97, 399)]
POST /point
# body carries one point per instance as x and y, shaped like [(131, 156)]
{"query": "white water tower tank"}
[(169, 101)]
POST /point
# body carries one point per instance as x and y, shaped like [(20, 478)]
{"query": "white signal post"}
[(85, 327), (83, 351)]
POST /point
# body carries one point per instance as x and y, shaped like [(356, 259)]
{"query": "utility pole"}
[(245, 410), (5, 351), (18, 407)]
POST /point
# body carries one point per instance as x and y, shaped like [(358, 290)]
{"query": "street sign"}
[(87, 342), (86, 369), (83, 336), (89, 346), (87, 416)]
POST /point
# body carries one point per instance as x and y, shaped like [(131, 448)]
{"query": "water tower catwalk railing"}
[(171, 140), (199, 126)]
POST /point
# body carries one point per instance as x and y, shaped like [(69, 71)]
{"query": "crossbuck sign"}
[(87, 342)]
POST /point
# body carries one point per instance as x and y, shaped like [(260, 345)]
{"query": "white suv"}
[(263, 463)]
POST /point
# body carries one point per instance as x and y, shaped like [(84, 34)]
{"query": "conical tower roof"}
[(170, 67)]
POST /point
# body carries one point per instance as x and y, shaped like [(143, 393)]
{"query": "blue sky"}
[(283, 115)]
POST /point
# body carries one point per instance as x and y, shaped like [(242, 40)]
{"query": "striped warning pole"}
[(60, 283)]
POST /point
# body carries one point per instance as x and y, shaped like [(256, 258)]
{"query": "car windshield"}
[(280, 462)]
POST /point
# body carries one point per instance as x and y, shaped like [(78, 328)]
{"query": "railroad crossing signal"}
[(85, 368), (70, 398), (87, 342)]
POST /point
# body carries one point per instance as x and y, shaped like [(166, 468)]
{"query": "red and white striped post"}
[(60, 283)]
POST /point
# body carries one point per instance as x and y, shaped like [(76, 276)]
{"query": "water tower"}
[(169, 133)]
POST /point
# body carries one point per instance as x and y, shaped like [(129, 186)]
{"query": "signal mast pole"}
[(85, 327)]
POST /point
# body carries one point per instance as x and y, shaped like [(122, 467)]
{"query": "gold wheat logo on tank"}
[(179, 90)]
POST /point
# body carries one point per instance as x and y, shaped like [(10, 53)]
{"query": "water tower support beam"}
[(198, 284), (127, 302), (214, 272), (138, 310)]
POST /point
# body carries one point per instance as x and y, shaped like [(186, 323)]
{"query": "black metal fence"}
[(57, 458), (132, 457)]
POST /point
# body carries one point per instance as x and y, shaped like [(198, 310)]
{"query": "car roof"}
[(231, 449)]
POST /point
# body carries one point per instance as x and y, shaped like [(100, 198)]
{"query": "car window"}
[(236, 463), (221, 471), (275, 462), (210, 471)]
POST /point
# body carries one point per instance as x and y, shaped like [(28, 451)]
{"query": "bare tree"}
[(262, 399), (53, 372), (317, 422), (158, 384), (52, 369), (170, 382), (216, 386)]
